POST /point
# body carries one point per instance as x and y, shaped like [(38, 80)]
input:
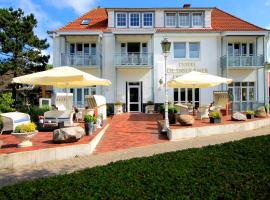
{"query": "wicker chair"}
[(203, 112), (182, 109), (221, 101)]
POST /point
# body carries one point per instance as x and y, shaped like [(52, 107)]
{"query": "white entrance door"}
[(134, 97)]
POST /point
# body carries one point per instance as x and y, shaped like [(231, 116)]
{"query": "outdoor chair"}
[(203, 112), (13, 119), (182, 109), (55, 116), (63, 101), (221, 101)]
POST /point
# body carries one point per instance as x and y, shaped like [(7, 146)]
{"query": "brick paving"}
[(131, 130)]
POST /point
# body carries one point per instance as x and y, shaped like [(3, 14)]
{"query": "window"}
[(93, 49), (251, 49), (121, 19), (86, 48), (148, 19), (194, 49), (171, 19), (144, 48), (179, 50), (184, 20), (240, 49), (72, 48), (85, 21), (185, 95), (244, 49), (134, 20), (242, 91), (197, 19), (79, 47)]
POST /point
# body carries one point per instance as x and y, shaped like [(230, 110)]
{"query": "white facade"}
[(131, 57)]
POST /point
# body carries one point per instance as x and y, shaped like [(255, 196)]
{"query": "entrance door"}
[(134, 97)]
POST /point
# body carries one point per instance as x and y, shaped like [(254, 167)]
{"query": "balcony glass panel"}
[(135, 59)]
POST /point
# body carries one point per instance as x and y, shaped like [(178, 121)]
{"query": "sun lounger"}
[(13, 119)]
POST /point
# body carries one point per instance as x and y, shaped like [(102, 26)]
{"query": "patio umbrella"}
[(62, 77), (197, 80)]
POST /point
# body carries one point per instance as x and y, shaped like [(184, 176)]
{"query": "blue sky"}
[(54, 13)]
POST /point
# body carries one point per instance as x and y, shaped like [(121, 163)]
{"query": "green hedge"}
[(236, 170)]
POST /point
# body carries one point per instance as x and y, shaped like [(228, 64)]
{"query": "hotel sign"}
[(182, 68)]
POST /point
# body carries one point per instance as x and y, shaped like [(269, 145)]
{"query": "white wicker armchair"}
[(13, 119), (55, 116), (203, 112), (182, 109)]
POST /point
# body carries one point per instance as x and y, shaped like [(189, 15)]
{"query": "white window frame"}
[(143, 20), (129, 18), (116, 20), (188, 48), (179, 20), (193, 21), (248, 87), (175, 19)]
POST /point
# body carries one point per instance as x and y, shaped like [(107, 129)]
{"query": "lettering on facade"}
[(182, 68)]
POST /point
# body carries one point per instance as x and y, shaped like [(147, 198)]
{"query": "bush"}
[(150, 103), (214, 115), (171, 109), (89, 118), (235, 170), (118, 103), (250, 112), (26, 128), (1, 123), (6, 102), (36, 111)]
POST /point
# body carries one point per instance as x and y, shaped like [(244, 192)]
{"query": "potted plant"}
[(215, 117), (150, 107), (250, 114), (172, 111), (25, 133), (89, 124), (118, 107)]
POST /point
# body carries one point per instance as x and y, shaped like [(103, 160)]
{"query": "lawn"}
[(236, 170)]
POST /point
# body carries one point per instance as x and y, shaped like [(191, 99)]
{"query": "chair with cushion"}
[(221, 101), (13, 119), (55, 116)]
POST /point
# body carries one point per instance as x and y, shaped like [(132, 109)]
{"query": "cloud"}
[(79, 6), (268, 27), (267, 3)]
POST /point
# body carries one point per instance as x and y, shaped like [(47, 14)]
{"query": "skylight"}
[(85, 21)]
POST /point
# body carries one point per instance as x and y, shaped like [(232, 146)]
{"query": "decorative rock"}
[(1, 143), (66, 135), (239, 117), (260, 112), (185, 120)]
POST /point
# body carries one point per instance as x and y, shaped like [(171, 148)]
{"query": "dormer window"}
[(85, 21), (184, 20), (121, 19), (171, 19), (134, 20), (197, 19)]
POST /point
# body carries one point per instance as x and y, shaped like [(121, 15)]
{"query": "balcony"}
[(141, 60), (244, 62), (79, 60)]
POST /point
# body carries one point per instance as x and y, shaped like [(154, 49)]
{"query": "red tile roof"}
[(98, 22), (220, 21)]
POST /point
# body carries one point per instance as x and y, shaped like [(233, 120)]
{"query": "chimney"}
[(186, 5)]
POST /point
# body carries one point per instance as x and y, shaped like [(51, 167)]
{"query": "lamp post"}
[(166, 46), (266, 86)]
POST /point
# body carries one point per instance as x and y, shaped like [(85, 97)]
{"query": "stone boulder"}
[(1, 143), (239, 117), (185, 120), (67, 135), (260, 112)]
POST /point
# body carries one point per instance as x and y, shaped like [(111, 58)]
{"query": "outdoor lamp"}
[(166, 47)]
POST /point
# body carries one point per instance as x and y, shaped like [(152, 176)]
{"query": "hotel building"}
[(123, 45)]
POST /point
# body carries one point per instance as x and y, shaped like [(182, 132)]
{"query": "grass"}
[(235, 170)]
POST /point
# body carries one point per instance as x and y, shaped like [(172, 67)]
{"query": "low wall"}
[(15, 160), (186, 133)]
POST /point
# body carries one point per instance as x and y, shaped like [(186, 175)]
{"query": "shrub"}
[(171, 109), (6, 102), (250, 112), (26, 128), (214, 115), (1, 123), (36, 111), (150, 103), (89, 118), (118, 103)]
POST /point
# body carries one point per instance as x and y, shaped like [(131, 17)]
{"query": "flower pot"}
[(118, 109), (250, 116), (149, 109), (88, 126), (215, 120), (25, 138), (172, 118)]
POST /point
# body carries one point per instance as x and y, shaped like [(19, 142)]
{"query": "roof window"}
[(85, 21)]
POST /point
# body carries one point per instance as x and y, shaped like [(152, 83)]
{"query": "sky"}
[(52, 14)]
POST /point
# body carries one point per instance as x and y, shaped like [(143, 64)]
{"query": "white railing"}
[(133, 59), (242, 61), (79, 60)]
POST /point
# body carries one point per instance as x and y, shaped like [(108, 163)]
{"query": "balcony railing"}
[(133, 59), (242, 61), (77, 60)]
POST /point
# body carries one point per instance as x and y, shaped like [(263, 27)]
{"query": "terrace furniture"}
[(54, 117), (221, 99), (98, 104), (63, 101), (13, 119), (181, 108), (203, 112)]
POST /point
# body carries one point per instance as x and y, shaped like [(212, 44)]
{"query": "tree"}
[(20, 48)]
